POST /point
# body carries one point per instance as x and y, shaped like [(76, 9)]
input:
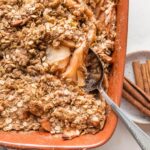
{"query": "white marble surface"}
[(138, 39)]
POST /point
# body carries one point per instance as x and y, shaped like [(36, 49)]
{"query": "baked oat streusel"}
[(43, 50)]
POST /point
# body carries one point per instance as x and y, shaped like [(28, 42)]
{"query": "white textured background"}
[(138, 39), (139, 25)]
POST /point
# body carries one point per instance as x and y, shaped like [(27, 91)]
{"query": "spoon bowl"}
[(92, 83)]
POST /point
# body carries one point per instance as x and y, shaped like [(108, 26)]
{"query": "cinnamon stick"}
[(138, 74), (148, 64), (148, 73), (136, 103), (145, 80), (138, 89), (135, 93)]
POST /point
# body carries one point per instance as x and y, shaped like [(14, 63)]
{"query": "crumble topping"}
[(43, 50)]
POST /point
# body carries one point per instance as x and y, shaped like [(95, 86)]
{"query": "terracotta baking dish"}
[(41, 140)]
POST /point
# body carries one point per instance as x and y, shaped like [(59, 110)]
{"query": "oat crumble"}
[(43, 51)]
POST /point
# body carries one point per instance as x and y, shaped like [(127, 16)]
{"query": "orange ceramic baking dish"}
[(42, 140)]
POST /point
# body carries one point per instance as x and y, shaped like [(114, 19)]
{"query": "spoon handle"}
[(140, 136)]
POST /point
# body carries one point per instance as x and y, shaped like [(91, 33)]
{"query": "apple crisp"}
[(43, 64)]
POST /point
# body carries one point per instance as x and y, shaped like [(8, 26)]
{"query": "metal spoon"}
[(140, 136)]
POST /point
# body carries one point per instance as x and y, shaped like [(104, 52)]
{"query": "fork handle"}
[(140, 136)]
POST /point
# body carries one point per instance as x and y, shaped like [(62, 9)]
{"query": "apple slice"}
[(59, 57)]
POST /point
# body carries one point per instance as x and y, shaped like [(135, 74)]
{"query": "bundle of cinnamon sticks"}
[(139, 94), (142, 75)]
